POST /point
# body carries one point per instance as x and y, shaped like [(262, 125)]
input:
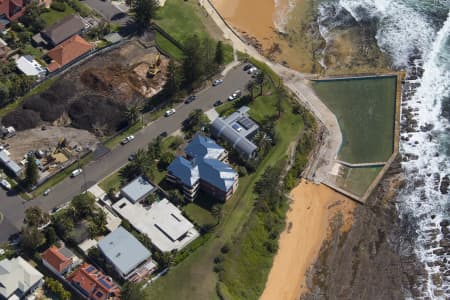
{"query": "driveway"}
[(13, 207), (107, 10)]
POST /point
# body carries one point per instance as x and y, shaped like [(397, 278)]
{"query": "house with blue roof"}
[(205, 167)]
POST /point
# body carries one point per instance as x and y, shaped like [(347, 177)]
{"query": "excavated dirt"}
[(375, 259), (94, 95)]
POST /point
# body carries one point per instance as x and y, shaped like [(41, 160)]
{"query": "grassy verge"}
[(112, 181), (168, 47), (113, 142), (54, 16), (194, 278), (365, 109), (57, 178)]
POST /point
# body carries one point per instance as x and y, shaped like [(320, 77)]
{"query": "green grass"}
[(54, 16), (30, 50), (194, 278), (199, 215), (358, 180), (182, 19), (168, 47), (112, 181), (365, 109), (55, 179)]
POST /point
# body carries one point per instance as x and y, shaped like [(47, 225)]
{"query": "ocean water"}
[(416, 36)]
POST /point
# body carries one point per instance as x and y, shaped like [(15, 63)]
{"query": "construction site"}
[(84, 104), (94, 95)]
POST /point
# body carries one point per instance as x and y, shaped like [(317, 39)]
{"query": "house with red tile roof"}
[(67, 51), (59, 260), (11, 10), (93, 284)]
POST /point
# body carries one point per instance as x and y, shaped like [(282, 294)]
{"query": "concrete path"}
[(297, 82)]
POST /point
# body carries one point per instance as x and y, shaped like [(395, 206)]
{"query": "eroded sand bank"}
[(308, 224)]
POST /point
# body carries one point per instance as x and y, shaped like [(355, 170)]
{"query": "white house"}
[(30, 67), (162, 222), (18, 278)]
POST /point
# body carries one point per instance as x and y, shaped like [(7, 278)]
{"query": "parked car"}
[(131, 157), (247, 67), (127, 139), (46, 192), (163, 134), (217, 82), (252, 70), (5, 184), (190, 99), (218, 103), (76, 172), (235, 95), (170, 112)]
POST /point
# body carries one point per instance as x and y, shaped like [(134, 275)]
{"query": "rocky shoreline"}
[(375, 259)]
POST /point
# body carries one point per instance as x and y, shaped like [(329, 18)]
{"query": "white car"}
[(127, 139), (252, 70), (76, 172), (235, 95), (217, 82), (170, 112), (46, 192), (5, 184)]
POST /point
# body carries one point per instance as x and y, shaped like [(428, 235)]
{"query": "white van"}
[(76, 172)]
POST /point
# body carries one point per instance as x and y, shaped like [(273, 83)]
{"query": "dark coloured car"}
[(190, 99), (247, 67), (218, 103), (163, 134), (131, 157)]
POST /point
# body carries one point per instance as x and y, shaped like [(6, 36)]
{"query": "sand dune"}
[(308, 223)]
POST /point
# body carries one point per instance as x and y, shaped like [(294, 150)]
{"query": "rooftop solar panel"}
[(246, 123), (105, 283)]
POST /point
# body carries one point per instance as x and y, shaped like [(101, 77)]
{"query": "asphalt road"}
[(13, 206)]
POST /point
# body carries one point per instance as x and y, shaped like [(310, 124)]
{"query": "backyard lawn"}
[(365, 109), (199, 215), (54, 16)]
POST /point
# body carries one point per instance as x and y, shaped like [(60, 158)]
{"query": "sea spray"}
[(281, 15), (416, 35)]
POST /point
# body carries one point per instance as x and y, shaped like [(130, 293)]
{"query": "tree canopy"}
[(31, 171), (143, 11)]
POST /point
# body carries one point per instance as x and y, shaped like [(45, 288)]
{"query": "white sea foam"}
[(281, 15)]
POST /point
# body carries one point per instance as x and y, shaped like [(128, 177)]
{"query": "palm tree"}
[(260, 81), (250, 87), (132, 114)]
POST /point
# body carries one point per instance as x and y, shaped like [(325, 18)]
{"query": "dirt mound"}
[(47, 105), (84, 113), (22, 119)]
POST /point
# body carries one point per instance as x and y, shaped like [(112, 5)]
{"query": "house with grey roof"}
[(18, 278), (204, 168), (62, 30), (128, 256), (138, 189), (237, 129)]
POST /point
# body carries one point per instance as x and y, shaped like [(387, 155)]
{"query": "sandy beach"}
[(308, 224), (252, 17)]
